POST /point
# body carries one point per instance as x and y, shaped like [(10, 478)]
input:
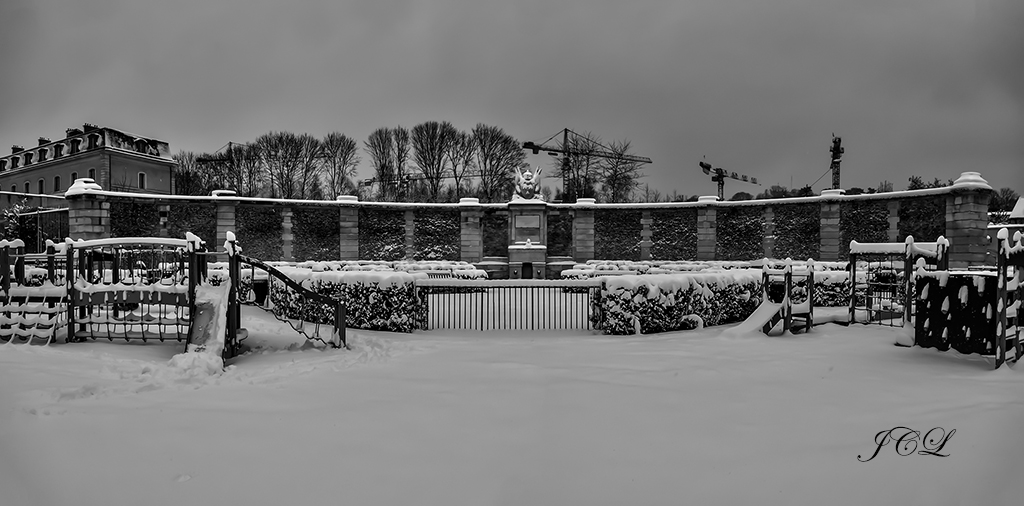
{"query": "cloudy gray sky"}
[(926, 87)]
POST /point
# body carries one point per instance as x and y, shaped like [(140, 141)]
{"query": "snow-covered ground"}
[(446, 418)]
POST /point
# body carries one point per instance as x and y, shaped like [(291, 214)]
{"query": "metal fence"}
[(510, 304), (38, 226)]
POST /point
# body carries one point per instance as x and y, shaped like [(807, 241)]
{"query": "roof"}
[(1018, 209)]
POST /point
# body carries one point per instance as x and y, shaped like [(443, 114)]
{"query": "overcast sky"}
[(925, 87)]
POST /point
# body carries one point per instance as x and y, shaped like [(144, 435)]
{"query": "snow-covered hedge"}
[(617, 233), (373, 300), (667, 302), (437, 234)]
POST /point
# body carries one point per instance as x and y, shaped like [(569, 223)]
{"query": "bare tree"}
[(245, 172), (380, 147), (189, 176), (619, 177), (431, 141), (309, 169), (401, 158), (497, 155), (581, 171), (286, 157), (340, 158), (461, 154)]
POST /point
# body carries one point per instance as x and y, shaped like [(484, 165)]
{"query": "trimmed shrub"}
[(739, 233), (438, 235), (381, 234), (862, 221), (797, 231), (317, 233), (258, 229), (200, 219), (559, 233), (617, 234), (135, 219), (674, 234), (923, 217), (495, 233)]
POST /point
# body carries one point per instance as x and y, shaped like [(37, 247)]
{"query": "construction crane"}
[(837, 151), (719, 174), (568, 192)]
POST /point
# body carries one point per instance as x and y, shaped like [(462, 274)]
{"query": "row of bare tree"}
[(433, 162)]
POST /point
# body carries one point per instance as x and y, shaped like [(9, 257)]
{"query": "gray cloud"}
[(914, 87)]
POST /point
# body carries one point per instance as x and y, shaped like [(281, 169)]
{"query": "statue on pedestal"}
[(527, 184)]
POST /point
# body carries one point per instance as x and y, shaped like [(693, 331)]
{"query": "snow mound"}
[(190, 366)]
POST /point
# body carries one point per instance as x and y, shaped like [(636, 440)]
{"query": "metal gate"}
[(36, 227), (510, 304)]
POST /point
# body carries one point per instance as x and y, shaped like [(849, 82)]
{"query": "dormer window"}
[(14, 162), (75, 144), (42, 154), (58, 150), (94, 141), (28, 158), (3, 164)]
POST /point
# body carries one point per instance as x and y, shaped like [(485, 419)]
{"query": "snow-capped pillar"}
[(768, 241), (225, 212), (645, 235), (583, 230), (471, 230), (88, 211), (707, 223), (287, 254), (830, 234), (410, 234), (348, 227), (894, 221), (967, 221)]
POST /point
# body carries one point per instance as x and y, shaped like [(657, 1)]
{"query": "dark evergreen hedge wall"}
[(674, 234), (797, 231), (862, 221), (200, 219), (134, 219), (923, 217), (495, 233), (258, 230), (617, 234), (560, 233), (381, 234), (437, 235), (739, 233), (316, 233)]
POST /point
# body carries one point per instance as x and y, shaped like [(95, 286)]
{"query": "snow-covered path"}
[(443, 418)]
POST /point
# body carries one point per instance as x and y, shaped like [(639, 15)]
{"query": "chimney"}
[(44, 140), (71, 132), (17, 149), (89, 127)]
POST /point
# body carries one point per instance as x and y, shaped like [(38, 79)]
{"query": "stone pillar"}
[(471, 230), (645, 235), (348, 228), (287, 254), (967, 221), (768, 241), (583, 231), (225, 212), (707, 223), (410, 234), (830, 234), (894, 222), (88, 216)]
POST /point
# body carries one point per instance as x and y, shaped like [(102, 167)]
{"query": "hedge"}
[(381, 234), (617, 234), (200, 219), (559, 233), (739, 233), (797, 231), (862, 221), (674, 234), (316, 232), (133, 219), (258, 229), (495, 233), (437, 234), (923, 217)]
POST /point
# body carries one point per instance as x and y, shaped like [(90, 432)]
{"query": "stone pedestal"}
[(528, 230), (527, 261)]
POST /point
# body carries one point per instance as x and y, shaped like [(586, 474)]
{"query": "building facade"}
[(116, 160)]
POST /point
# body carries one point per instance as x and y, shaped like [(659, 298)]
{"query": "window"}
[(75, 143), (74, 177), (93, 141), (14, 162), (40, 185), (14, 188), (28, 158), (142, 180), (92, 174), (56, 184), (3, 164), (42, 155), (28, 187), (58, 150)]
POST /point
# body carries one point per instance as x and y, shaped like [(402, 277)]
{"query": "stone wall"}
[(797, 226)]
